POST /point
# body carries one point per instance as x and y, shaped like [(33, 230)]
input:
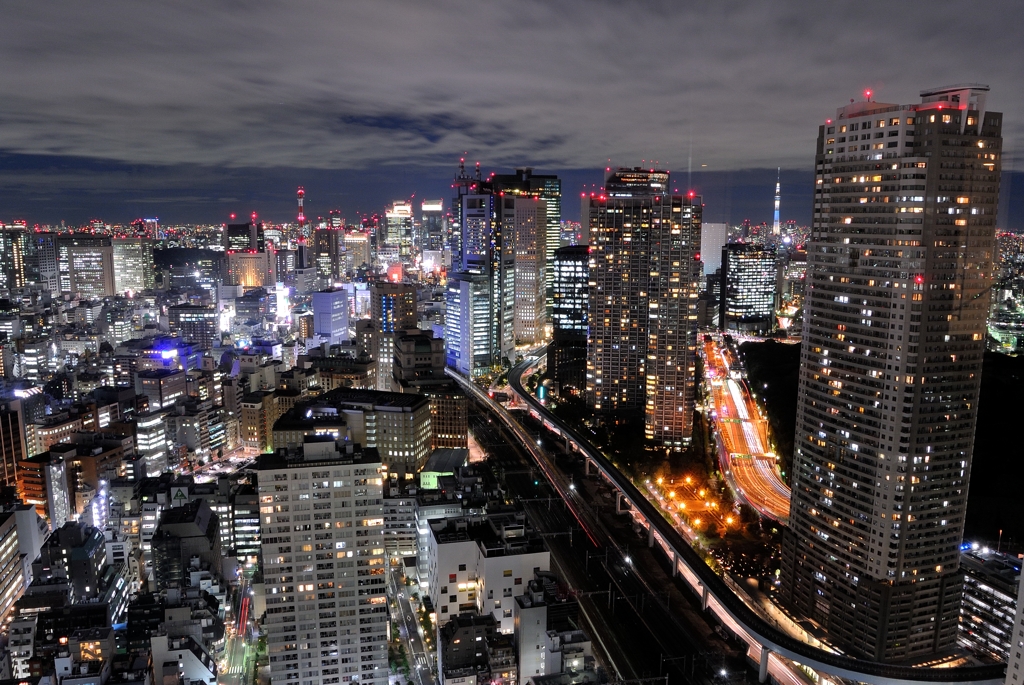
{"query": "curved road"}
[(720, 598)]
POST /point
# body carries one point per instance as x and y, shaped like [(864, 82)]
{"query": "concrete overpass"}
[(763, 639)]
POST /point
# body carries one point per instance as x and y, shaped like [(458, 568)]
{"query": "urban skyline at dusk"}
[(582, 343)]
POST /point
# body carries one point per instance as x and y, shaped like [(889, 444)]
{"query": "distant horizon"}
[(118, 193)]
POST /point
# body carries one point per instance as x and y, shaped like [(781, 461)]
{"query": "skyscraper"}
[(526, 219), (328, 248), (747, 289), (335, 605), (432, 225), (487, 251), (133, 264), (645, 272), (393, 306), (899, 261), (13, 256), (570, 317), (91, 270), (42, 263), (399, 228), (525, 183), (330, 315), (468, 324), (713, 238), (245, 236)]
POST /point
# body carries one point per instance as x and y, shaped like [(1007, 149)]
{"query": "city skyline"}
[(461, 343)]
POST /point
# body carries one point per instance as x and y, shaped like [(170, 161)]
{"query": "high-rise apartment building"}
[(899, 261), (324, 570), (644, 272), (393, 306), (570, 317), (133, 264), (749, 275)]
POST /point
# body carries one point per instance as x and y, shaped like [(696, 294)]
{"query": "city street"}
[(420, 666), (235, 666), (744, 454)]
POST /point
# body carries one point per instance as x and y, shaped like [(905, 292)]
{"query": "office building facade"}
[(195, 323), (747, 301), (644, 279), (330, 315), (133, 265), (570, 317), (526, 219), (899, 260)]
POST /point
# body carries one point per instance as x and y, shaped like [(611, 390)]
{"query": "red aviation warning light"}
[(919, 279), (867, 95), (232, 216)]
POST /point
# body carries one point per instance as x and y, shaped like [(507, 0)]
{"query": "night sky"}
[(191, 110)]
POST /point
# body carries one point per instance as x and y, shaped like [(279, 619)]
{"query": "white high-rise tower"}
[(778, 199), (899, 262)]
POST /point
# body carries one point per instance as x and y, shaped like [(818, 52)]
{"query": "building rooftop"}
[(447, 459), (318, 450)]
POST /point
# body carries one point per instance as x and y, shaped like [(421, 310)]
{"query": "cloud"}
[(572, 84)]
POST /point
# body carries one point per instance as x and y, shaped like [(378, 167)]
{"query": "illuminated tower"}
[(890, 373), (645, 272), (302, 215), (778, 200)]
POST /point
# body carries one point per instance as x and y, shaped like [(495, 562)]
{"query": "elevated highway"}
[(765, 642)]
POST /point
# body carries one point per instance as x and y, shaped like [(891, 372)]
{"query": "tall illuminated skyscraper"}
[(526, 220), (645, 272), (432, 225), (747, 289), (899, 262), (133, 265), (14, 247), (93, 257), (570, 318), (399, 233), (545, 187)]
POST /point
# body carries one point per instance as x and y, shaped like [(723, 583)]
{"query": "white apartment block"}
[(480, 564), (322, 528)]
